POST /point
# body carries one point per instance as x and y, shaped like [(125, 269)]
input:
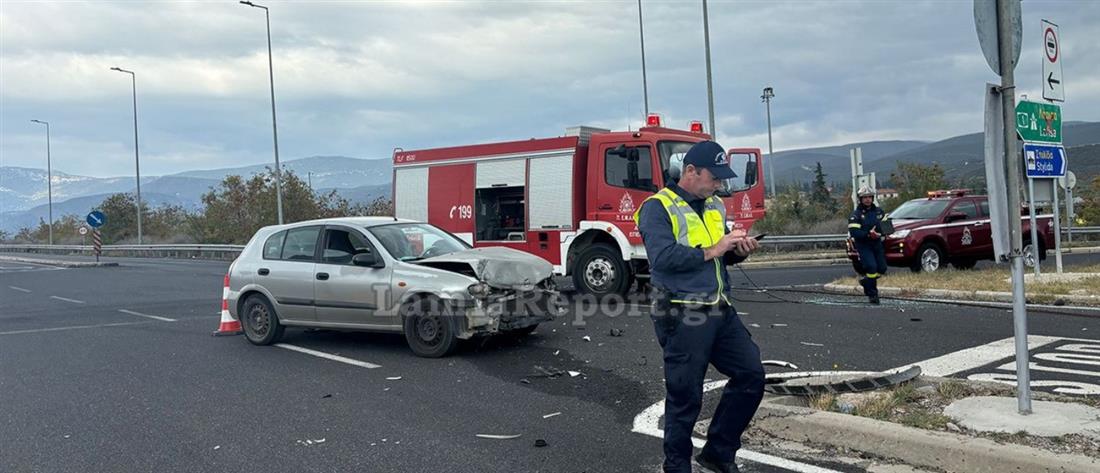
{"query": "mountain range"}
[(23, 196)]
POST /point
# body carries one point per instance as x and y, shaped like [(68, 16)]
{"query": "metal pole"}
[(1012, 165), (274, 125), (710, 87), (49, 178), (137, 161), (641, 37), (1057, 227), (1069, 217), (768, 94), (1034, 225)]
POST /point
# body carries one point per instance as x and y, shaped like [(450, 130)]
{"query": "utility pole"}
[(49, 176), (710, 87), (641, 37), (274, 126), (137, 160), (769, 93), (1012, 165)]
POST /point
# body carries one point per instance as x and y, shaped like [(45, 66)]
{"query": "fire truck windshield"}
[(413, 241), (920, 209)]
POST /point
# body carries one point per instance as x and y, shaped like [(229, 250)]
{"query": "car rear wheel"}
[(930, 258), (1029, 257), (600, 270), (428, 328), (261, 324)]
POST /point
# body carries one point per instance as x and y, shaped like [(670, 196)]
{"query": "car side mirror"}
[(367, 259), (954, 217), (750, 173)]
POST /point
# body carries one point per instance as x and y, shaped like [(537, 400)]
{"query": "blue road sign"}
[(96, 219), (1045, 160)]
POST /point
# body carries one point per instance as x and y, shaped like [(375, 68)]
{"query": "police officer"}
[(865, 227), (689, 245)]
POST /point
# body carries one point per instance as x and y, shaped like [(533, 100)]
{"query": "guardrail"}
[(833, 241)]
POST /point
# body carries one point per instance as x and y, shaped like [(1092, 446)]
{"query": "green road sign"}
[(1039, 122)]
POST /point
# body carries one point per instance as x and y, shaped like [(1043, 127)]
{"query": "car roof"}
[(366, 222)]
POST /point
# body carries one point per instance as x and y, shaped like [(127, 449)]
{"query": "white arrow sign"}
[(1053, 87)]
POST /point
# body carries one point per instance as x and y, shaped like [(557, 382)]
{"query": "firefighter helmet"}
[(865, 192)]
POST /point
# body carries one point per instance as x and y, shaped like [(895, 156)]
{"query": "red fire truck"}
[(569, 199)]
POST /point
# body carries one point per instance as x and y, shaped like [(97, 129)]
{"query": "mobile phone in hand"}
[(760, 236)]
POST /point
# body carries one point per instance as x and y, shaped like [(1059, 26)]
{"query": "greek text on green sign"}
[(1039, 122)]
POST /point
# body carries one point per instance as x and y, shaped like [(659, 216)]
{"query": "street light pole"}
[(137, 160), (274, 126), (49, 177), (710, 88), (768, 94), (641, 37)]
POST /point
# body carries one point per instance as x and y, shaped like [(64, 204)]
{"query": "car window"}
[(919, 209), (342, 245), (273, 247), (301, 244), (620, 171), (967, 207), (985, 207), (413, 241)]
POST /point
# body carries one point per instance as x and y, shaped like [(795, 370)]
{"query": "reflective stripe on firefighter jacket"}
[(692, 231)]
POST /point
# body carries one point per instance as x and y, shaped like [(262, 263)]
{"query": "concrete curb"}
[(922, 448), (59, 263), (961, 296)]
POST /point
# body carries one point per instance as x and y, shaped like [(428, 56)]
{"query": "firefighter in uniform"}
[(865, 228), (689, 246)]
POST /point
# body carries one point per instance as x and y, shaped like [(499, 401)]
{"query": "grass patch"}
[(824, 402), (992, 279)]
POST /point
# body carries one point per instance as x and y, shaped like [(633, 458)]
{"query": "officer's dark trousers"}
[(691, 340), (872, 256)]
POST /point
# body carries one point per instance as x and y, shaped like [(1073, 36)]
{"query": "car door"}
[(960, 233), (982, 231), (288, 277), (627, 180), (347, 294)]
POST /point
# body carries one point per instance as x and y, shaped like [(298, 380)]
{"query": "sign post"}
[(96, 219), (998, 24)]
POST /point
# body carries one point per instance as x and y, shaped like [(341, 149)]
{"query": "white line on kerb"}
[(647, 423), (19, 289), (74, 327), (154, 317), (328, 356), (74, 301)]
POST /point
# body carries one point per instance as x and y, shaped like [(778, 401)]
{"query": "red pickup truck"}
[(949, 227)]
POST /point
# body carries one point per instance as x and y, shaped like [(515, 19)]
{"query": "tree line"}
[(231, 213)]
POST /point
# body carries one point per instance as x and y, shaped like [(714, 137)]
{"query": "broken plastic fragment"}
[(779, 325), (574, 374), (498, 437), (552, 414), (393, 378), (811, 344), (586, 338)]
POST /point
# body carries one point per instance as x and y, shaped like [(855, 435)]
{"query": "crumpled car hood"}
[(499, 267)]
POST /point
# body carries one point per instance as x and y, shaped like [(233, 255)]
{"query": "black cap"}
[(710, 155)]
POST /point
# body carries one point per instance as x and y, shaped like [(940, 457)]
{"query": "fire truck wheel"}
[(930, 258), (600, 270), (427, 329)]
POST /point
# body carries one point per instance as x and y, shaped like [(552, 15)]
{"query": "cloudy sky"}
[(360, 78)]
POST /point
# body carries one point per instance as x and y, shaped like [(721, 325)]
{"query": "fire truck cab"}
[(568, 199)]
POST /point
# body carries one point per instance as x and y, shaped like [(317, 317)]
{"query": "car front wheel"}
[(930, 258), (428, 328)]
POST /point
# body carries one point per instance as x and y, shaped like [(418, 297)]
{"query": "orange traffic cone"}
[(228, 325)]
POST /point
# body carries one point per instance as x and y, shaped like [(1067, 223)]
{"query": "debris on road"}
[(326, 396), (812, 344), (393, 378), (308, 442), (812, 384), (217, 447), (541, 372), (642, 361), (586, 338), (574, 374), (916, 319), (499, 437), (552, 414), (616, 332), (779, 363), (540, 443), (525, 381), (754, 325), (556, 352), (778, 325)]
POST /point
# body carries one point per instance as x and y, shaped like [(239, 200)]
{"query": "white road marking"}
[(154, 317), (962, 360), (72, 327), (19, 289), (74, 301), (328, 356), (647, 423)]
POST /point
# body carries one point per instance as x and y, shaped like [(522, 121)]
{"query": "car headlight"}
[(899, 234), (478, 290)]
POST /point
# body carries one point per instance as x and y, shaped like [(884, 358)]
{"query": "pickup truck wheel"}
[(600, 270), (428, 329), (964, 263), (930, 258), (260, 323), (1029, 258)]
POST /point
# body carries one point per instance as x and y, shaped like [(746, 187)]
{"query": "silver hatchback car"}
[(387, 275)]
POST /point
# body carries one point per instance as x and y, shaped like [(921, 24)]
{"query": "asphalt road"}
[(114, 369)]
